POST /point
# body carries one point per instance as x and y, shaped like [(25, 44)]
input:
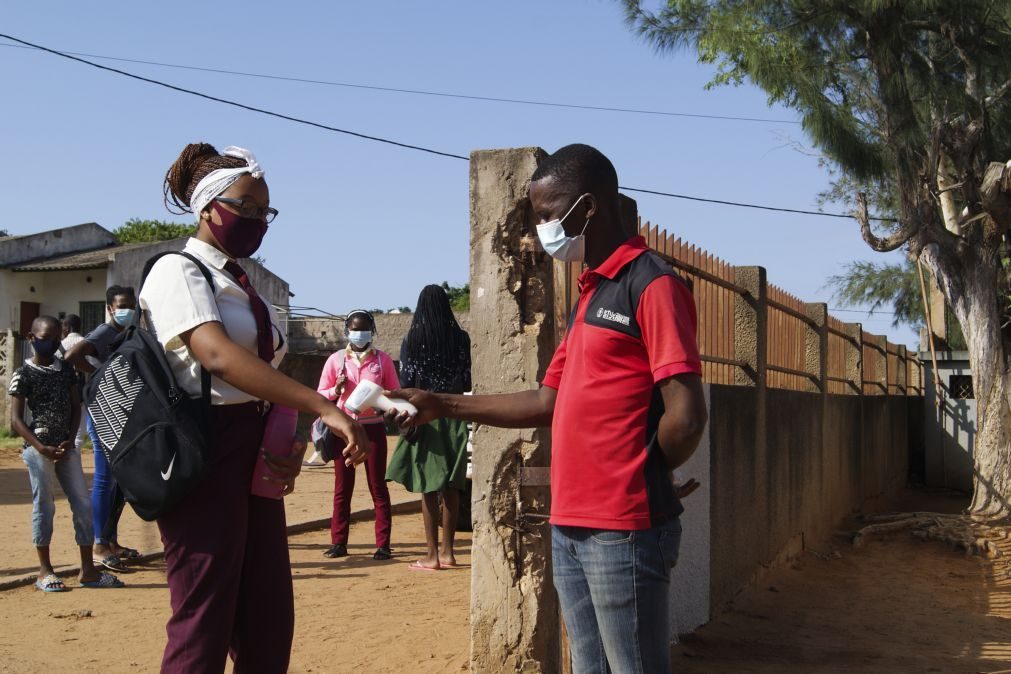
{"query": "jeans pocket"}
[(670, 542), (611, 537)]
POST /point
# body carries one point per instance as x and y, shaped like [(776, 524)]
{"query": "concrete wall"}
[(949, 432), (327, 334), (769, 495), (18, 249)]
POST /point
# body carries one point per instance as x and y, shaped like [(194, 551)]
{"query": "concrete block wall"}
[(770, 495)]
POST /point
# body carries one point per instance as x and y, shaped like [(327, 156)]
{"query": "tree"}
[(146, 231), (912, 94), (459, 296), (894, 285)]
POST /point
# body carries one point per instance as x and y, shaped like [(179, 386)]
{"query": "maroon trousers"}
[(226, 556), (344, 486)]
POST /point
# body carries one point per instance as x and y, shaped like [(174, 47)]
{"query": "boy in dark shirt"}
[(48, 387)]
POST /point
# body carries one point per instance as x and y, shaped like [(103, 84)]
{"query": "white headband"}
[(219, 180)]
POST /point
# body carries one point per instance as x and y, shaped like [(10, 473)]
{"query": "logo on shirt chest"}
[(614, 316)]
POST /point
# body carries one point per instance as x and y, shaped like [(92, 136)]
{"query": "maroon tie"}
[(264, 333)]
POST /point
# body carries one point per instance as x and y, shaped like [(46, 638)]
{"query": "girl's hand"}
[(286, 468), (353, 433)]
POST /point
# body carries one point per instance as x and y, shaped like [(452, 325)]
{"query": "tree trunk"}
[(970, 289)]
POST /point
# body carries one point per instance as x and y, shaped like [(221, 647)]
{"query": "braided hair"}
[(194, 163), (435, 354)]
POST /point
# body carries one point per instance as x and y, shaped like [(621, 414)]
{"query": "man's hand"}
[(686, 488), (50, 452), (353, 433), (286, 468), (430, 407)]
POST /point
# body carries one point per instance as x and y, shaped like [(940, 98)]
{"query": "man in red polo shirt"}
[(623, 396)]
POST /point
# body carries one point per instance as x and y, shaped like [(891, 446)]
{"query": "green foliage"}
[(147, 231), (870, 78), (459, 296), (881, 285)]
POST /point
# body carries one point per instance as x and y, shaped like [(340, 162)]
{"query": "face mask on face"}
[(557, 244), (239, 236), (123, 317), (45, 348), (360, 338)]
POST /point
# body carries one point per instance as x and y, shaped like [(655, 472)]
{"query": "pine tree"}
[(914, 95)]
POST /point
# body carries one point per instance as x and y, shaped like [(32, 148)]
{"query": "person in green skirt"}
[(431, 459)]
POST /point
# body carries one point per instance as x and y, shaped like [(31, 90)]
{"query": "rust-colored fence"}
[(803, 347)]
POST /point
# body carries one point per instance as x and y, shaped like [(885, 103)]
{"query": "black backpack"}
[(153, 434)]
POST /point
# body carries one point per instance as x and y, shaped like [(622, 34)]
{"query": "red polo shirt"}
[(634, 326)]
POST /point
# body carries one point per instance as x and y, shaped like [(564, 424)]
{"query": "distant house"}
[(66, 271)]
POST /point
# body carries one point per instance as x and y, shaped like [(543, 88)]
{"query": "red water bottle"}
[(278, 437)]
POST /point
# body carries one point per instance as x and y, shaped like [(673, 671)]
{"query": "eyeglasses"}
[(249, 209)]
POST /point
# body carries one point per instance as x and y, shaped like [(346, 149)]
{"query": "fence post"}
[(881, 353), (751, 326), (514, 618), (855, 356), (816, 345), (903, 375)]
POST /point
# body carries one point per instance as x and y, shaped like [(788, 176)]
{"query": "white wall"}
[(55, 291)]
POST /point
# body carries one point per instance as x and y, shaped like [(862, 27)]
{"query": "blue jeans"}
[(44, 474), (102, 487), (613, 590)]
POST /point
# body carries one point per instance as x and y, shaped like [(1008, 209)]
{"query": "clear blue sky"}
[(365, 224)]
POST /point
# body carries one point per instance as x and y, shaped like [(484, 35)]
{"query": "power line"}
[(388, 141), (421, 92), (745, 205), (235, 104)]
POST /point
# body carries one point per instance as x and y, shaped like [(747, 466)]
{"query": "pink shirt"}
[(377, 367)]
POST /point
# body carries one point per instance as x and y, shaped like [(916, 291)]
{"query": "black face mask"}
[(45, 348)]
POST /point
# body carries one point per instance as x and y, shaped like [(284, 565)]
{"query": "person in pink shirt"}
[(341, 374)]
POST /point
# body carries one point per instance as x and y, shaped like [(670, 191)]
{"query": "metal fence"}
[(758, 332)]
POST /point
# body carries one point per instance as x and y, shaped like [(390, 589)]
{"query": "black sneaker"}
[(338, 550), (382, 554)]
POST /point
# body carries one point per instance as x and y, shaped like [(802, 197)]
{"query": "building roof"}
[(92, 259)]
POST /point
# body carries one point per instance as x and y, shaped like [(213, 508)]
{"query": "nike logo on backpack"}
[(168, 473)]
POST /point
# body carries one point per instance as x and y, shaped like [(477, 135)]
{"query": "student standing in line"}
[(46, 386), (87, 355), (432, 459), (342, 373), (623, 396), (226, 551)]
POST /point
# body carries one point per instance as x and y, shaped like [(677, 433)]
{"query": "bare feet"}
[(447, 560), (432, 563)]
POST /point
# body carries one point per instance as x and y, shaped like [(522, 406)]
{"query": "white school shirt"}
[(177, 298)]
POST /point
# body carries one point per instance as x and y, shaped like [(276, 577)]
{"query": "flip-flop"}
[(128, 553), (50, 583), (111, 562), (418, 566), (105, 580), (454, 566)]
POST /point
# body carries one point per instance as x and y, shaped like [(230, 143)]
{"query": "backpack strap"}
[(205, 376)]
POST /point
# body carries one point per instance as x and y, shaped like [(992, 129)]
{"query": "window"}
[(92, 315), (960, 386)]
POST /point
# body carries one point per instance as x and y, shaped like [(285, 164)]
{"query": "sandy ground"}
[(894, 605)]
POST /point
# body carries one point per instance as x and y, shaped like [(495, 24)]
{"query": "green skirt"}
[(434, 460)]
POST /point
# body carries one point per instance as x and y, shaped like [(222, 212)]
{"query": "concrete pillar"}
[(514, 611), (816, 345), (9, 361), (855, 357), (751, 331)]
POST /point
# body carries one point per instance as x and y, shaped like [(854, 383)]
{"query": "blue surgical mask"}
[(360, 338), (558, 244), (123, 317)]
